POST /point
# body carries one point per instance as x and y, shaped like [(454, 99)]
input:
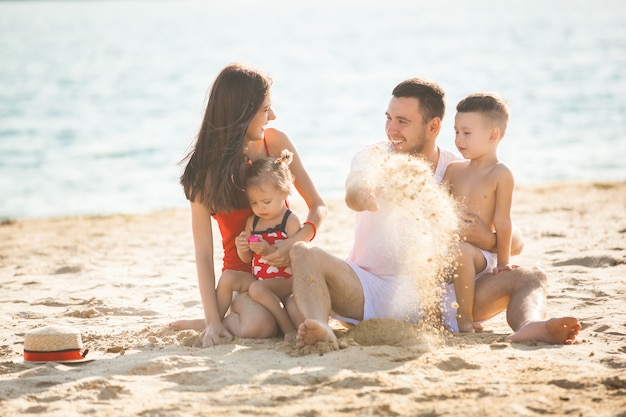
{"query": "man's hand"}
[(476, 232), (280, 256), (364, 199)]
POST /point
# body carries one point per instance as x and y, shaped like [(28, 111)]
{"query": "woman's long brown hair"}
[(213, 171)]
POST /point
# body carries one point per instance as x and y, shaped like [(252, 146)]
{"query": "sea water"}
[(100, 100)]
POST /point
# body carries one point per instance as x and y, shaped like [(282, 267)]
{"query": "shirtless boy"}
[(483, 186)]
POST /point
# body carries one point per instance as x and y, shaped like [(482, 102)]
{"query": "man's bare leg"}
[(312, 331), (322, 281), (522, 292), (556, 331)]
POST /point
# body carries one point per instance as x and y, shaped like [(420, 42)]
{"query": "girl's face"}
[(266, 201), (260, 120)]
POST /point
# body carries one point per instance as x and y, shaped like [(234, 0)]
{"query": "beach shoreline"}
[(121, 278)]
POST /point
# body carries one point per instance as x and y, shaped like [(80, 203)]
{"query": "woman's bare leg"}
[(194, 324), (269, 294), (229, 281), (249, 319)]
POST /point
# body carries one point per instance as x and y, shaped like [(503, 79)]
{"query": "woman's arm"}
[(277, 141), (203, 243)]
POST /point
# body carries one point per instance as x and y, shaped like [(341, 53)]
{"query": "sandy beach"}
[(121, 279)]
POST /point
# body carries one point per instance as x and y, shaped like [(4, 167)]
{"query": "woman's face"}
[(260, 120)]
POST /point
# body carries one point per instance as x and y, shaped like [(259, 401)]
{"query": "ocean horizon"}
[(100, 100)]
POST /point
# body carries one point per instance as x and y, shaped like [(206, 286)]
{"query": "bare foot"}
[(197, 325), (291, 336), (466, 325), (556, 331), (313, 331)]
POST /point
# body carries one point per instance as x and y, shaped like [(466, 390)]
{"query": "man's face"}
[(405, 126)]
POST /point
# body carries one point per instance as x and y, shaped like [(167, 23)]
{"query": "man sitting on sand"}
[(324, 284)]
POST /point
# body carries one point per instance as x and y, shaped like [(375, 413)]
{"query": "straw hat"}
[(54, 343)]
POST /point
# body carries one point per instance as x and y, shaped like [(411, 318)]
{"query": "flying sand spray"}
[(422, 226)]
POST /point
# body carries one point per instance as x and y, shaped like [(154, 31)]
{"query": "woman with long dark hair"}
[(233, 134)]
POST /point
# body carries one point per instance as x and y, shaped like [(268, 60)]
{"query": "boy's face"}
[(472, 135), (405, 127)]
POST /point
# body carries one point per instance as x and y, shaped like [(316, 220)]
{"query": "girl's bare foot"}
[(291, 336)]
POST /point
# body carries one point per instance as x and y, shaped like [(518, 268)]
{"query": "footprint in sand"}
[(564, 383), (126, 311), (55, 302), (288, 379), (356, 382), (592, 261), (614, 383), (603, 328), (162, 364), (38, 409), (455, 364), (68, 270), (84, 314), (29, 315), (204, 378), (107, 391)]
